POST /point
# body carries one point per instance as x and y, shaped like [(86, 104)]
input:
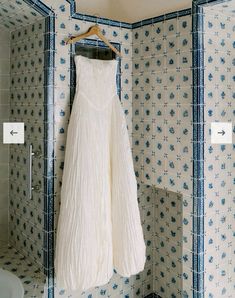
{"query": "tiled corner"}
[(30, 275)]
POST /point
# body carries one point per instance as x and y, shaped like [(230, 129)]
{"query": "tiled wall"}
[(168, 248), (17, 13), (27, 105), (162, 103), (4, 117), (162, 143), (219, 164)]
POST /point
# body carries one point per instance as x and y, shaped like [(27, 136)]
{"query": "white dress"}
[(99, 226)]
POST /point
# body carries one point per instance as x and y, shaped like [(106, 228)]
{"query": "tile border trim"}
[(162, 18), (205, 2), (198, 153), (114, 23)]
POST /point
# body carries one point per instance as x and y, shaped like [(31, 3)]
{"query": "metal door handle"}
[(31, 155)]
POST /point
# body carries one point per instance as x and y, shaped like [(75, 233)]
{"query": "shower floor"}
[(30, 277)]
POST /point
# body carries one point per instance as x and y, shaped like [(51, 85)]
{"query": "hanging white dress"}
[(99, 226)]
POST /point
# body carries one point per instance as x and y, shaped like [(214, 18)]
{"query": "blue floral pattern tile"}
[(219, 166), (162, 85), (17, 13), (162, 145)]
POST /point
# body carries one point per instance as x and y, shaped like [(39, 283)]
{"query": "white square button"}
[(221, 133), (13, 133)]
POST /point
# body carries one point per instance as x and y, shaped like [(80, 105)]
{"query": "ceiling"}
[(130, 10), (16, 13)]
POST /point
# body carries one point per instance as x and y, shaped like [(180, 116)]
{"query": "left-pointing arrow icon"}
[(12, 132)]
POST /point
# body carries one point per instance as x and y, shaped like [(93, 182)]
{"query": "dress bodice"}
[(96, 79)]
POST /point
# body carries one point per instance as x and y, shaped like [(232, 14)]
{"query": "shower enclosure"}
[(175, 78), (26, 170)]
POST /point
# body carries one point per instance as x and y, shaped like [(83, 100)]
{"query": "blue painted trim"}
[(205, 2), (49, 153), (162, 18), (40, 7), (198, 153), (49, 62), (105, 21)]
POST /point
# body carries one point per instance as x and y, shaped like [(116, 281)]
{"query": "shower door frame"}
[(48, 187)]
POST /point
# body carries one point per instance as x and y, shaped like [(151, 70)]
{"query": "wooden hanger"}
[(94, 30)]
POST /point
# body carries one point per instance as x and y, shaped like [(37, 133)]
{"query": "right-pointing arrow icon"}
[(221, 132)]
